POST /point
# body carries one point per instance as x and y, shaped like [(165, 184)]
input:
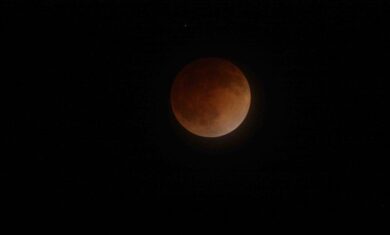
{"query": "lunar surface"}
[(210, 97)]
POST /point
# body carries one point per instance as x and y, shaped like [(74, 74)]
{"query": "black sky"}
[(90, 83)]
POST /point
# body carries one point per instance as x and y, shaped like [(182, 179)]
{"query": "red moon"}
[(210, 97)]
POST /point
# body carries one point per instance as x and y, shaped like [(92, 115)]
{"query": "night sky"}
[(94, 132)]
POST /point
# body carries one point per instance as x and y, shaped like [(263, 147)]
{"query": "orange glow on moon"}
[(210, 97)]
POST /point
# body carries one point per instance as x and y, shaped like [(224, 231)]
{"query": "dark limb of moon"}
[(210, 97)]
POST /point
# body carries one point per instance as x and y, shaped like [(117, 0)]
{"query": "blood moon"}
[(210, 97)]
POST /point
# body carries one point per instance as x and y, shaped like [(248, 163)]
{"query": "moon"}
[(210, 97)]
